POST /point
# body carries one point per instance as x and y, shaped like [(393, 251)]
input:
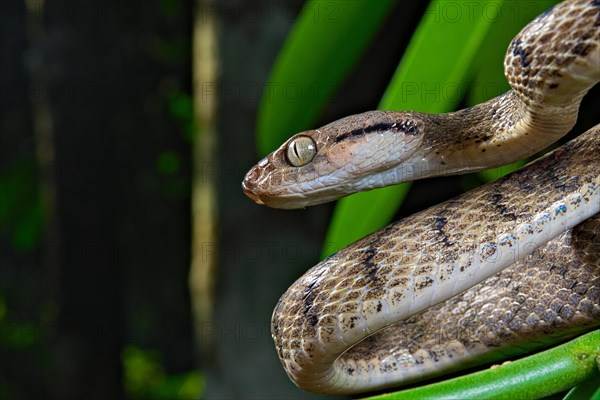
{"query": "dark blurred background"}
[(96, 168)]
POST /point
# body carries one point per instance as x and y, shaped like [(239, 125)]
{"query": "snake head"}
[(356, 153)]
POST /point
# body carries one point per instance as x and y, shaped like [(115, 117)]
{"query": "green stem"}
[(536, 376)]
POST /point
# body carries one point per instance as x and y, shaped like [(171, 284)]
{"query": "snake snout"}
[(249, 185)]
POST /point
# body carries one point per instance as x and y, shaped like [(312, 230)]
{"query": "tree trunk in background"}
[(85, 92), (204, 197)]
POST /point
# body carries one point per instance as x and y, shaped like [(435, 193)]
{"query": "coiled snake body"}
[(507, 259)]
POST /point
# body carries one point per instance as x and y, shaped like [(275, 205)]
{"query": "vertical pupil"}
[(296, 150)]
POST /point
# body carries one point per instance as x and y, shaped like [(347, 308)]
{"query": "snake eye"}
[(301, 150)]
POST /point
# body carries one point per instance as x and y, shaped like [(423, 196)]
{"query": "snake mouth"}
[(248, 188)]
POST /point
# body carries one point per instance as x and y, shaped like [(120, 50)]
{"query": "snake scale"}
[(497, 271)]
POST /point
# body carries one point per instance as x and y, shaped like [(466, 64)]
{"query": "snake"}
[(507, 268)]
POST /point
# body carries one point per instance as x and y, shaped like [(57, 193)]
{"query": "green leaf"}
[(432, 77), (489, 80), (21, 212), (323, 46)]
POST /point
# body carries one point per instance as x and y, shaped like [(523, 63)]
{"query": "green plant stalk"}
[(532, 377)]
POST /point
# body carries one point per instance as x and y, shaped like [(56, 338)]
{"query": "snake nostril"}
[(249, 185)]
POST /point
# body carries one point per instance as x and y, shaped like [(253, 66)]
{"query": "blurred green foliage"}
[(3, 309), (20, 207), (28, 315), (145, 378), (168, 162), (182, 110)]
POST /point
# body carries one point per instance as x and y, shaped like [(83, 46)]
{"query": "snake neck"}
[(500, 131), (551, 64)]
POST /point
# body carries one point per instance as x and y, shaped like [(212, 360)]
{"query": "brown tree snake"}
[(493, 272)]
